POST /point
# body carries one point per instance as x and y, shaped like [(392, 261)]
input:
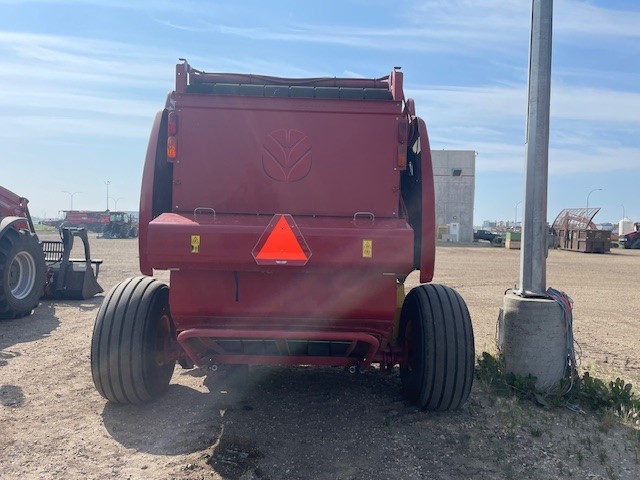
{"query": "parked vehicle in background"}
[(52, 222), (22, 264), (30, 268), (484, 235), (120, 225), (631, 239), (93, 221)]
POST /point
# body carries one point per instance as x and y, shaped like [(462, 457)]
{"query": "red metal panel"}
[(226, 242), (11, 205), (269, 155), (322, 301), (396, 78), (428, 240), (146, 195)]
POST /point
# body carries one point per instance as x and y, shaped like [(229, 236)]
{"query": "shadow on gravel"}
[(11, 396), (34, 327), (91, 304), (241, 413), (182, 421), (302, 422)]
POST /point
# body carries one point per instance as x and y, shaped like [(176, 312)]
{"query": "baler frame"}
[(340, 302)]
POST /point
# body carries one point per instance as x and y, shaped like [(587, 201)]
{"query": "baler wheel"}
[(131, 337), (439, 356), (22, 273)]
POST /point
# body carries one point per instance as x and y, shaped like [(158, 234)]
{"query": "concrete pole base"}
[(532, 339)]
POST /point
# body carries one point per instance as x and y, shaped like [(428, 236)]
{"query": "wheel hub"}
[(22, 275)]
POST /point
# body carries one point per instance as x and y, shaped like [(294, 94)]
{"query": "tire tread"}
[(119, 343), (442, 329)]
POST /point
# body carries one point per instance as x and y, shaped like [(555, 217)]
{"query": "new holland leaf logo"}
[(286, 155)]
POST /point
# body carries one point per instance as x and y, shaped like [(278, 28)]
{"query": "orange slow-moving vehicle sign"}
[(281, 243)]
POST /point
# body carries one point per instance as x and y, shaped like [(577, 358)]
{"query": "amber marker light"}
[(171, 148)]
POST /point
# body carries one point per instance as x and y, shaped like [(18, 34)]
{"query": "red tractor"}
[(289, 213), (22, 264), (30, 269), (120, 225)]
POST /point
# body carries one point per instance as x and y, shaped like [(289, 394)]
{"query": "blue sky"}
[(80, 83)]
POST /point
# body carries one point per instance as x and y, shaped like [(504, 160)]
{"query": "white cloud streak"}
[(463, 26), (491, 120)]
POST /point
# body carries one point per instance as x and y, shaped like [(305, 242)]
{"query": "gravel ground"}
[(319, 423)]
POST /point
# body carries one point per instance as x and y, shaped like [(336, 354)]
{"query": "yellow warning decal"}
[(195, 243), (367, 248)]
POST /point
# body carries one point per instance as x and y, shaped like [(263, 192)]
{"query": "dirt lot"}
[(318, 423)]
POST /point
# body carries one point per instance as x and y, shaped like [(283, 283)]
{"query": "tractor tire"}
[(130, 340), (22, 273), (439, 356)]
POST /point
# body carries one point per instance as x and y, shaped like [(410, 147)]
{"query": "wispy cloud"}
[(502, 19), (56, 84), (466, 27), (491, 120)]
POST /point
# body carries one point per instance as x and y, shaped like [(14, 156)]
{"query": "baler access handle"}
[(202, 210), (366, 215)]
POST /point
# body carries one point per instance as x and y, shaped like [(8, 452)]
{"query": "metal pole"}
[(533, 256), (107, 182), (515, 224), (115, 202), (623, 215), (71, 197), (588, 195)]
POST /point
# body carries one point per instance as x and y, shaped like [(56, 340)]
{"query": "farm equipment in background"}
[(631, 239), (574, 230), (91, 220), (30, 268), (289, 213), (120, 225), (70, 278)]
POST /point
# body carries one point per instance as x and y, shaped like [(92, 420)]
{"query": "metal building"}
[(454, 177)]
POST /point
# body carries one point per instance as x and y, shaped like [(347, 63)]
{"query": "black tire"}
[(22, 273), (437, 336), (131, 329)]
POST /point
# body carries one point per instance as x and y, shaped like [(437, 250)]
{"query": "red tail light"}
[(403, 130), (173, 123), (402, 156), (171, 148), (403, 138)]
